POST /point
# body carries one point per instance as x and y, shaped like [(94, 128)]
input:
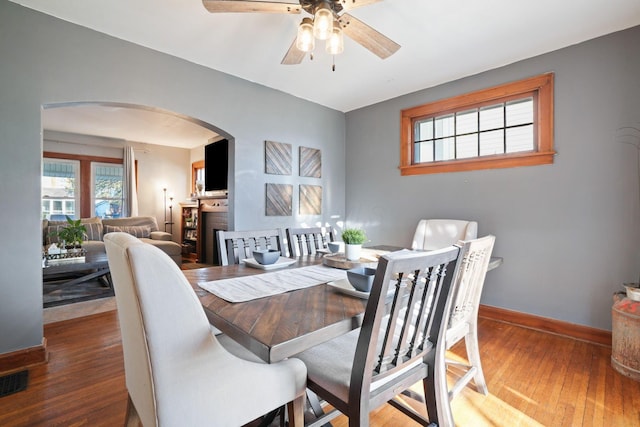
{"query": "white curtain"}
[(130, 193)]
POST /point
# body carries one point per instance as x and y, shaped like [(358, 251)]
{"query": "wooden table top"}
[(279, 326), (282, 325)]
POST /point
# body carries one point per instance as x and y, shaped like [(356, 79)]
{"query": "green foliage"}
[(108, 188), (353, 236), (73, 233)]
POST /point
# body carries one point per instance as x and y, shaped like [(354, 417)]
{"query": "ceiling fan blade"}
[(239, 6), (352, 4), (371, 39), (293, 56)]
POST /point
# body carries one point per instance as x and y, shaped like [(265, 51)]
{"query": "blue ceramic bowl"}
[(361, 278), (266, 256), (334, 247)]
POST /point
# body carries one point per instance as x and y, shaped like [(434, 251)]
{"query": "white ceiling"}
[(130, 124), (442, 40)]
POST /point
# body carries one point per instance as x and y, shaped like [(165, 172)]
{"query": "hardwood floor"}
[(534, 379)]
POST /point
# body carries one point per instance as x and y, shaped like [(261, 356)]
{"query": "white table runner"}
[(247, 288)]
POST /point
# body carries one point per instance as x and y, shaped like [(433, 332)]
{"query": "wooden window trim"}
[(541, 86), (194, 168), (86, 210)]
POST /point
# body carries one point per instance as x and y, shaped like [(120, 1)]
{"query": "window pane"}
[(492, 117), (520, 139), (60, 183), (467, 146), (107, 189), (424, 130), (444, 126), (520, 112), (491, 143), (467, 122), (424, 152), (445, 149)]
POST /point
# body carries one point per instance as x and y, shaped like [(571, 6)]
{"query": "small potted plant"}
[(71, 234), (353, 239)]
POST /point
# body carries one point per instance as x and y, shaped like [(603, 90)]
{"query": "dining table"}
[(279, 326)]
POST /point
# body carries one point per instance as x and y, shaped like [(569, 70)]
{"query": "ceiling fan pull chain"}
[(333, 66)]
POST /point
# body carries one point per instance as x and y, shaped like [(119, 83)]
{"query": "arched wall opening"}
[(166, 145)]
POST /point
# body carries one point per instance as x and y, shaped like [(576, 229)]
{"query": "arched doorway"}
[(166, 144)]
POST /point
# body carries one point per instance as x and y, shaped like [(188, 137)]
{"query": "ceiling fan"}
[(329, 21)]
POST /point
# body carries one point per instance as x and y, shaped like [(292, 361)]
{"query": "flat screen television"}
[(216, 165)]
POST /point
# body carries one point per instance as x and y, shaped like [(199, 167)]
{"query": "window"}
[(197, 177), (107, 193), (505, 126), (60, 189), (81, 186)]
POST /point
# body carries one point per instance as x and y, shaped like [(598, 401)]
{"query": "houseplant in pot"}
[(71, 235), (353, 239)]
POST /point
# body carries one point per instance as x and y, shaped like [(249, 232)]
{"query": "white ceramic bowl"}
[(361, 278), (266, 256)]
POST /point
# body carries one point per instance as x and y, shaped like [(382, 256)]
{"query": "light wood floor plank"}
[(535, 379)]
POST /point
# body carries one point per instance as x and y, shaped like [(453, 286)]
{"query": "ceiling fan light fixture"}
[(305, 41), (322, 21), (335, 42)]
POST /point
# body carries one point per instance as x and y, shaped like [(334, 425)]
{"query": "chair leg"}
[(132, 419), (436, 393), (428, 385), (314, 403), (295, 410), (473, 354), (359, 420)]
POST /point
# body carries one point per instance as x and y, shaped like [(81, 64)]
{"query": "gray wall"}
[(568, 232), (46, 61)]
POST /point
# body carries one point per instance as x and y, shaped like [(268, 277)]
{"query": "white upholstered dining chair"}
[(176, 371), (433, 234), (463, 322), (396, 346)]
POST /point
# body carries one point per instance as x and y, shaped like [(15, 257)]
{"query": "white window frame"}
[(76, 191)]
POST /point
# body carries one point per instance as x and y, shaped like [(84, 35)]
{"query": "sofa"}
[(143, 227)]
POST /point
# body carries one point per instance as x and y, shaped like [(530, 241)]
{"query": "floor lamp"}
[(170, 222)]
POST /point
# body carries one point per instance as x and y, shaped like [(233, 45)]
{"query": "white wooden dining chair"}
[(463, 323), (433, 234), (396, 346), (234, 246), (176, 371), (308, 240)]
